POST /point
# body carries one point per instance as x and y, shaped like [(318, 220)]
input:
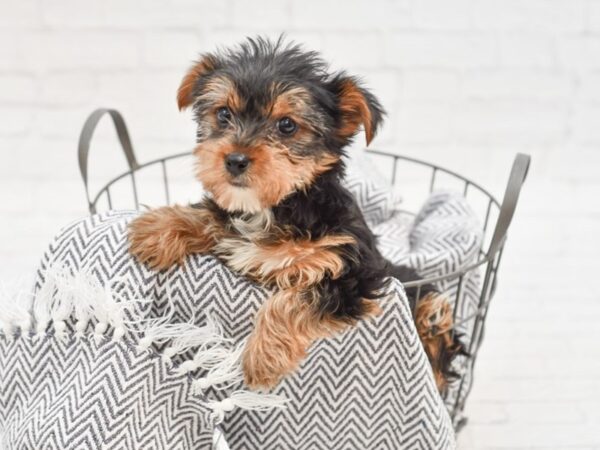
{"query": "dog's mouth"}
[(237, 182)]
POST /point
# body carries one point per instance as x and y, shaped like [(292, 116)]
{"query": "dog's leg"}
[(163, 237), (284, 328), (306, 307), (434, 322), (286, 325)]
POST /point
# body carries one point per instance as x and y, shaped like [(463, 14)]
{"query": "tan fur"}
[(286, 326), (287, 262), (234, 198), (355, 111), (277, 173), (163, 237), (220, 91), (293, 103), (297, 104), (185, 93), (274, 174), (434, 321)]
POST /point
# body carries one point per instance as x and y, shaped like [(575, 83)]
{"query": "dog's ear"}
[(357, 106), (204, 66)]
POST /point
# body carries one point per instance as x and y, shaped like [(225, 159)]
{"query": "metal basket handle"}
[(517, 177), (85, 138)]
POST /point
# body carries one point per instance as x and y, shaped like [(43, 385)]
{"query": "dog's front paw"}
[(266, 362), (156, 240)]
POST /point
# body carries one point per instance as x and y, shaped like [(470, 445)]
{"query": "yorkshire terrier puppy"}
[(273, 124)]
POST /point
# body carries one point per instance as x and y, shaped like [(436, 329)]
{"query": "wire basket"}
[(495, 218)]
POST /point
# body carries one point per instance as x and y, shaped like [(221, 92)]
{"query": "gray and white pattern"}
[(369, 388), (377, 201), (82, 394), (443, 238)]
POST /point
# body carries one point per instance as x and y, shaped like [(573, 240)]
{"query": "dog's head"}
[(271, 120)]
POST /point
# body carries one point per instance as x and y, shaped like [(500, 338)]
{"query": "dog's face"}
[(271, 120)]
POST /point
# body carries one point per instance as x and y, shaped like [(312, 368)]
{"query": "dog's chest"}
[(239, 253), (245, 251)]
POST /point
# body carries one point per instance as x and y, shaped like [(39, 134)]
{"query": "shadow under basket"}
[(419, 179)]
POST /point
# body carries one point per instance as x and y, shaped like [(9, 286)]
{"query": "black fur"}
[(256, 64)]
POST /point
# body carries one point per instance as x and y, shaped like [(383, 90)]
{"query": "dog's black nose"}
[(236, 163)]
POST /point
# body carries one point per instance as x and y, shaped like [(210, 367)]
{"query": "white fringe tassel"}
[(81, 298), (246, 400), (223, 374), (15, 314)]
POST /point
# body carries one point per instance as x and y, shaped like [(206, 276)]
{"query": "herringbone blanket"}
[(89, 383)]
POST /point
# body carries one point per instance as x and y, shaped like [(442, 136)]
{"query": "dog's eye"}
[(223, 116), (286, 126)]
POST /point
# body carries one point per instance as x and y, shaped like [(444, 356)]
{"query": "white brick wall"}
[(467, 83)]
